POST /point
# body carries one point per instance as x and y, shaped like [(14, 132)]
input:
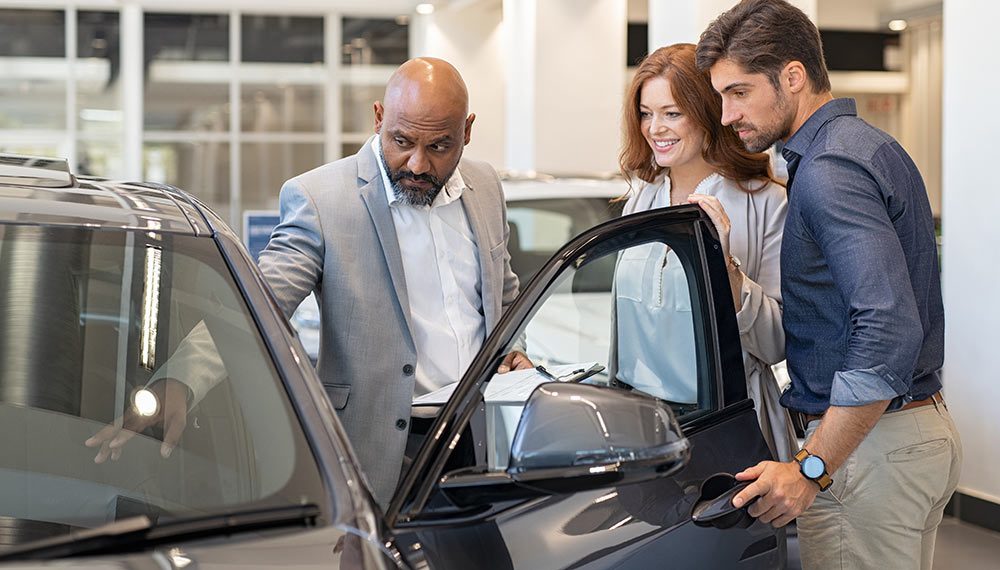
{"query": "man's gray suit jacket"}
[(337, 238)]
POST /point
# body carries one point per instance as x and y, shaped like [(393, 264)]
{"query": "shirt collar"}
[(799, 142), (451, 191)]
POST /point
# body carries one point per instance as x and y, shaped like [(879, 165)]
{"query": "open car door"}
[(601, 457)]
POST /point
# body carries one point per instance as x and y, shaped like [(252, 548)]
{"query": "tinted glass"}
[(32, 33), (282, 39), (187, 72), (98, 74), (199, 167), (357, 109), (266, 166), (103, 327), (281, 108), (538, 228), (33, 69), (375, 41)]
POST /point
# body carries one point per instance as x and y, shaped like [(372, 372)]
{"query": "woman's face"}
[(675, 138)]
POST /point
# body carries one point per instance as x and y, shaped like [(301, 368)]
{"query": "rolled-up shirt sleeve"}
[(846, 212)]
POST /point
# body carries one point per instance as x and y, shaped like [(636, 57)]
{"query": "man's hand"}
[(168, 405), (784, 493), (515, 360)]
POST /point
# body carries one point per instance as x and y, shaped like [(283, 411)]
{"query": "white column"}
[(565, 83), (520, 31), (235, 114), (970, 205), (71, 152), (332, 96), (132, 89), (469, 36), (683, 21)]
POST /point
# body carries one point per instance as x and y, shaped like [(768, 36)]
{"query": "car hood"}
[(314, 548)]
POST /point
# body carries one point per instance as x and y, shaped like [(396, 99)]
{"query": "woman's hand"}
[(719, 218), (715, 211)]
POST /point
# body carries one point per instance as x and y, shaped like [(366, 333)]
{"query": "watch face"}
[(813, 467)]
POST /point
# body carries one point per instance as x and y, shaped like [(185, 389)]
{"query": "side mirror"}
[(575, 437)]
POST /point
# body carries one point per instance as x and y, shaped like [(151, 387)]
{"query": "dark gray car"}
[(100, 281)]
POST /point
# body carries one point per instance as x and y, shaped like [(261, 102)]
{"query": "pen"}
[(541, 370)]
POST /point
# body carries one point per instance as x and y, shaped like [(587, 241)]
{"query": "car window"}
[(88, 319), (538, 228), (640, 334)]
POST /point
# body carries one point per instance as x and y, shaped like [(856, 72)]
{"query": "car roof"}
[(43, 191), (542, 189)]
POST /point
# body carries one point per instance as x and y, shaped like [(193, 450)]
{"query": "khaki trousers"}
[(886, 501)]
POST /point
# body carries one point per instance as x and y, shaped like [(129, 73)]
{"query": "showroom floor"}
[(960, 546)]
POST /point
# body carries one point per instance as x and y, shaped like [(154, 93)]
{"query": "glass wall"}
[(33, 71), (232, 103)]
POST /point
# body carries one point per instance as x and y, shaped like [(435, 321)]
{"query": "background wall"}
[(470, 37), (971, 201)]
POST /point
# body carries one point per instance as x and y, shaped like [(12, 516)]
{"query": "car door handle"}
[(714, 507)]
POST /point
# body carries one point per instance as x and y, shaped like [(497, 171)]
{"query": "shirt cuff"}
[(852, 388)]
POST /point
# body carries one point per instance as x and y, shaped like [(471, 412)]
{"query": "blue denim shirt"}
[(863, 315)]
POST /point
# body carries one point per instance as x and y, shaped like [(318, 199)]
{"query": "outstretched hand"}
[(164, 401)]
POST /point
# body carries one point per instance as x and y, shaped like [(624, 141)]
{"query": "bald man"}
[(405, 246)]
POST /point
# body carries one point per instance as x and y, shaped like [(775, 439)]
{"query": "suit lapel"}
[(474, 212), (373, 195)]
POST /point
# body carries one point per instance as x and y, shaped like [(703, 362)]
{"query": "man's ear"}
[(794, 76), (468, 127), (379, 111)]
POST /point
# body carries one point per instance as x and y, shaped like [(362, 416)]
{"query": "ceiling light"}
[(897, 25), (425, 9)]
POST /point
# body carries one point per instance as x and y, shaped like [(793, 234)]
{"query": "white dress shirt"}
[(443, 281)]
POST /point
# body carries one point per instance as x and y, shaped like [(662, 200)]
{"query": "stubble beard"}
[(764, 137)]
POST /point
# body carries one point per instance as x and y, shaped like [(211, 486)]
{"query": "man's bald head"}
[(423, 124), (427, 82)]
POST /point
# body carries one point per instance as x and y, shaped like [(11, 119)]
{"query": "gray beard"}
[(404, 195)]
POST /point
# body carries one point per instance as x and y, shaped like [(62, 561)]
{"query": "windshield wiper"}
[(141, 532)]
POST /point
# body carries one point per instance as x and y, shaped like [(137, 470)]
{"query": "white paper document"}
[(513, 387)]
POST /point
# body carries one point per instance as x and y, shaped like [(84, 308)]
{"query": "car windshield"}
[(88, 318)]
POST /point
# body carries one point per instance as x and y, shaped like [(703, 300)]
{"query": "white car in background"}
[(544, 212)]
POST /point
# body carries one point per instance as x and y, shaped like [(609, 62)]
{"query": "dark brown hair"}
[(692, 90), (763, 36)]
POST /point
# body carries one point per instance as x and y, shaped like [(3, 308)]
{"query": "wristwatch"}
[(734, 262), (813, 468)]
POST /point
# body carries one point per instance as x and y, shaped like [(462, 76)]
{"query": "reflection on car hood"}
[(303, 550)]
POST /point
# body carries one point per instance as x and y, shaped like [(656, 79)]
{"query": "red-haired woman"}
[(676, 151)]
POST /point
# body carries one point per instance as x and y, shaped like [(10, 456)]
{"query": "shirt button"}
[(408, 369), (401, 424)]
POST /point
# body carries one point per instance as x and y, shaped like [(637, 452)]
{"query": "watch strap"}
[(824, 481)]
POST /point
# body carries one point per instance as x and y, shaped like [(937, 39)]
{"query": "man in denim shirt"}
[(863, 316)]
